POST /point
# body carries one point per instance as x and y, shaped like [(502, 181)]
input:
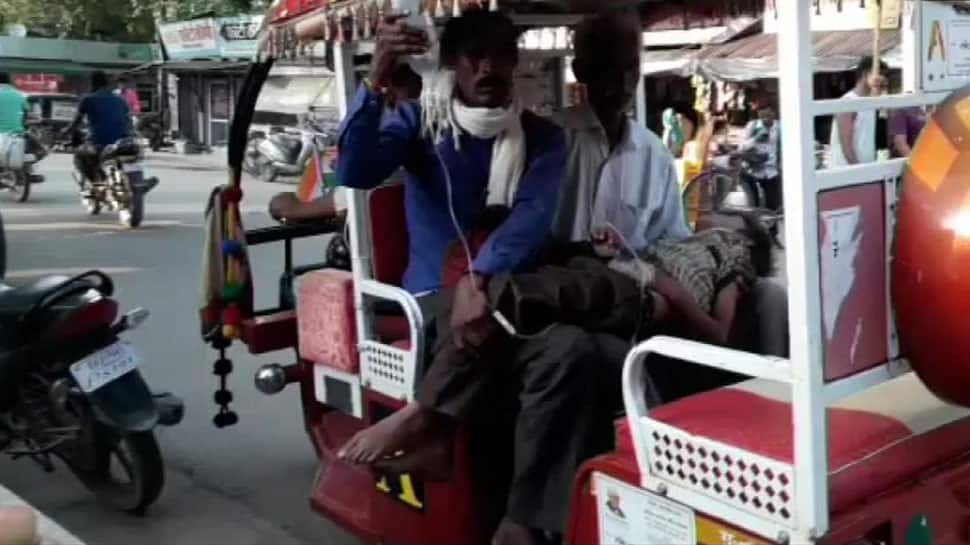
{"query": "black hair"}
[(478, 33), (4, 78), (763, 242), (99, 79), (866, 64), (614, 29)]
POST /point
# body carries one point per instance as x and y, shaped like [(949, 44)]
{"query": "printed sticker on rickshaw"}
[(628, 515), (403, 488)]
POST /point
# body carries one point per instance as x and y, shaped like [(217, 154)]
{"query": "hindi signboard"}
[(944, 45)]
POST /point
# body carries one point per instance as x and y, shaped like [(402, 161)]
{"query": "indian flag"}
[(318, 176)]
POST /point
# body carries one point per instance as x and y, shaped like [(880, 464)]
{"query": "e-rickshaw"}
[(838, 443)]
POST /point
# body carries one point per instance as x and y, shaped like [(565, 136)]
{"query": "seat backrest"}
[(389, 233)]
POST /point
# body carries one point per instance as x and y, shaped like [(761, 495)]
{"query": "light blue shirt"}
[(633, 189)]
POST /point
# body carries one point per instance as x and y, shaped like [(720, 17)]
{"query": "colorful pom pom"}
[(232, 248), (232, 316), (232, 194), (231, 292)]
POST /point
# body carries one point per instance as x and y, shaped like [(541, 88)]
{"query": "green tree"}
[(115, 20)]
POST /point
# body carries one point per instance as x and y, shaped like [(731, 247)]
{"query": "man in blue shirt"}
[(488, 153), (109, 120)]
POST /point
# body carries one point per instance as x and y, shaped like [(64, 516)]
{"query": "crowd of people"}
[(539, 250)]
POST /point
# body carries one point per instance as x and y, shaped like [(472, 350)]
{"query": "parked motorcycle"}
[(285, 151), (19, 179), (70, 389), (150, 126), (120, 185)]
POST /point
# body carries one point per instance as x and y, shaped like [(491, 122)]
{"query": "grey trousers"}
[(565, 388)]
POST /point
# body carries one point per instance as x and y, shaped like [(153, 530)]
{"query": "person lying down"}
[(697, 283)]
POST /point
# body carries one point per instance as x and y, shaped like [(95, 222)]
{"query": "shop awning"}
[(756, 57), (298, 95), (206, 66), (43, 66), (674, 62)]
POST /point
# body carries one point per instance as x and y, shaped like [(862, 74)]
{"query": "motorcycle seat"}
[(122, 148), (16, 301)]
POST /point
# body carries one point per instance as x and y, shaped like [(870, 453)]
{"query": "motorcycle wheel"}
[(20, 186), (128, 473), (131, 216)]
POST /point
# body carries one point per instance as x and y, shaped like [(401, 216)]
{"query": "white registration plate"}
[(105, 366), (63, 111), (629, 515)]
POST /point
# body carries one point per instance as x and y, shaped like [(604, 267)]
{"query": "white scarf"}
[(443, 112)]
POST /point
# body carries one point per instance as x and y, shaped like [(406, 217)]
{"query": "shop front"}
[(205, 63)]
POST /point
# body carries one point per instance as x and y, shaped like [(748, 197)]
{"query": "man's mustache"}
[(491, 82)]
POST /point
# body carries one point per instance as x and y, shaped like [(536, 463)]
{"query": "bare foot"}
[(512, 533), (390, 436), (18, 526), (432, 460)]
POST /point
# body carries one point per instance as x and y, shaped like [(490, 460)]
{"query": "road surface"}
[(244, 485)]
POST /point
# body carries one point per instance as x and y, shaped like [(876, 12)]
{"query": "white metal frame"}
[(803, 372)]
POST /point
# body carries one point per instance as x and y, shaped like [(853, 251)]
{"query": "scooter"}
[(70, 389), (285, 151), (19, 178)]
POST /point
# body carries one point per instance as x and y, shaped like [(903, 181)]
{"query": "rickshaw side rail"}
[(392, 369), (280, 233)]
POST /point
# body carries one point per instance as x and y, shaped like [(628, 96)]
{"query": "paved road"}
[(248, 484)]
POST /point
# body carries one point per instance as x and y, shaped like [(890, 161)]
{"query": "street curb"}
[(50, 532)]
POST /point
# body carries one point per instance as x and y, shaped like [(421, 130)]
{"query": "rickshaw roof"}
[(287, 10)]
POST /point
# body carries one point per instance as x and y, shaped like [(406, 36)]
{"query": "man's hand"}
[(395, 39), (282, 205), (606, 242), (470, 320)]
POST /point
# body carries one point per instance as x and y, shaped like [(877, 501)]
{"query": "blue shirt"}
[(373, 144), (107, 115)]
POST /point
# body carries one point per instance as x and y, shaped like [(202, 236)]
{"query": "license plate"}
[(105, 365), (63, 111), (629, 515)]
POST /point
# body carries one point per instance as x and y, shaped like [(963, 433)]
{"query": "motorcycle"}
[(70, 389), (120, 185), (150, 127), (285, 151), (18, 180)]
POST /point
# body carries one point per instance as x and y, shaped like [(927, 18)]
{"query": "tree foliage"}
[(114, 20)]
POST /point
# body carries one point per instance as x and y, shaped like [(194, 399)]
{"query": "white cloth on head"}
[(442, 112)]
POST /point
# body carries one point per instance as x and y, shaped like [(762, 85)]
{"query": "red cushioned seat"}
[(877, 439)]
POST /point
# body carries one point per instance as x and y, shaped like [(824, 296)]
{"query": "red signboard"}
[(38, 83)]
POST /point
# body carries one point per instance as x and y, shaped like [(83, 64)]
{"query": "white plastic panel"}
[(387, 369), (745, 481)]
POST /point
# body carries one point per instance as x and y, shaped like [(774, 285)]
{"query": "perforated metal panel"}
[(387, 369), (752, 483)]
